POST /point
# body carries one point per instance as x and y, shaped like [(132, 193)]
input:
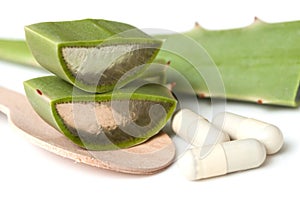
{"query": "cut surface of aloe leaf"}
[(92, 54), (101, 121)]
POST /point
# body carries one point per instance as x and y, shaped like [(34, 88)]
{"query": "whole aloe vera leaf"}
[(16, 51), (95, 121), (259, 63), (91, 54)]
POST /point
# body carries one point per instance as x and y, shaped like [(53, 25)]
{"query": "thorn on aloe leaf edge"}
[(257, 21), (197, 25)]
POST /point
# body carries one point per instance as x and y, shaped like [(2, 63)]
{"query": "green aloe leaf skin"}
[(92, 54), (86, 118), (16, 51), (258, 63)]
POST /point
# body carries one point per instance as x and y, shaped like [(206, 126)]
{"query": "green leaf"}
[(16, 51), (259, 63)]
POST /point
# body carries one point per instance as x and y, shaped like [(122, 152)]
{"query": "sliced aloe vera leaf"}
[(95, 121), (91, 54), (258, 63)]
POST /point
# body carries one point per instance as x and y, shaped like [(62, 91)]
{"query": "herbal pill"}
[(195, 129), (224, 158), (239, 127)]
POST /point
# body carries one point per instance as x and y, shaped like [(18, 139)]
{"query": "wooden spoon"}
[(150, 157)]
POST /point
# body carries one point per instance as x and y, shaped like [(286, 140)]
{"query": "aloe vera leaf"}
[(91, 54), (16, 51), (93, 121), (259, 63)]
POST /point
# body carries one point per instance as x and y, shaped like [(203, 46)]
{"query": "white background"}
[(30, 172)]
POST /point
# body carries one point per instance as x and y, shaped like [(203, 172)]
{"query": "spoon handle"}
[(148, 158)]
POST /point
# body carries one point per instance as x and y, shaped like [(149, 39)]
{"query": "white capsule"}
[(225, 158), (239, 127), (196, 130)]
